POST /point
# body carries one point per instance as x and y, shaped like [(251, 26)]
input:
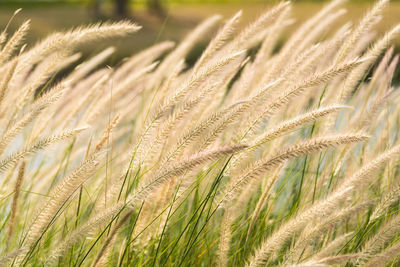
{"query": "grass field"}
[(277, 145)]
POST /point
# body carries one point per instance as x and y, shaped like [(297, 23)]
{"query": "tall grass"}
[(255, 155)]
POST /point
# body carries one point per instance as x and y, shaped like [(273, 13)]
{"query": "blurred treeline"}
[(159, 2), (167, 1), (165, 19), (122, 8)]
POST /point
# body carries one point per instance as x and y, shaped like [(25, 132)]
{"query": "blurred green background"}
[(162, 19)]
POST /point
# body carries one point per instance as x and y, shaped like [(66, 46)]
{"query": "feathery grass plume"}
[(40, 76), (172, 121), (382, 259), (119, 91), (218, 41), (310, 264), (273, 35), (14, 203), (371, 56), (296, 223), (362, 177), (36, 108), (88, 82), (193, 82), (309, 24), (378, 241), (333, 260), (184, 47), (364, 42), (257, 98), (365, 24), (262, 201), (59, 195), (100, 145), (295, 65), (289, 48), (153, 216), (306, 63), (68, 115), (182, 167), (101, 258), (242, 39), (316, 32), (291, 124), (366, 117), (198, 130), (170, 80), (5, 82), (136, 76), (168, 171), (382, 78), (83, 231), (3, 34), (225, 237), (354, 183), (262, 60), (48, 118), (5, 259), (170, 102), (247, 193), (142, 59), (382, 66), (391, 69), (332, 247), (303, 148), (83, 69), (387, 200), (12, 44), (365, 122), (222, 84), (37, 145), (76, 37), (308, 236), (222, 124), (8, 176), (3, 37), (297, 89)]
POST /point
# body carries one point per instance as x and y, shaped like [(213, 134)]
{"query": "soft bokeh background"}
[(162, 19)]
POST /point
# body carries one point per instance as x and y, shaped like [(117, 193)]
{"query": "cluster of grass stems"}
[(257, 155)]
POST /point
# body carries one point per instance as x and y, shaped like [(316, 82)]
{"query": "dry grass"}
[(253, 156)]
